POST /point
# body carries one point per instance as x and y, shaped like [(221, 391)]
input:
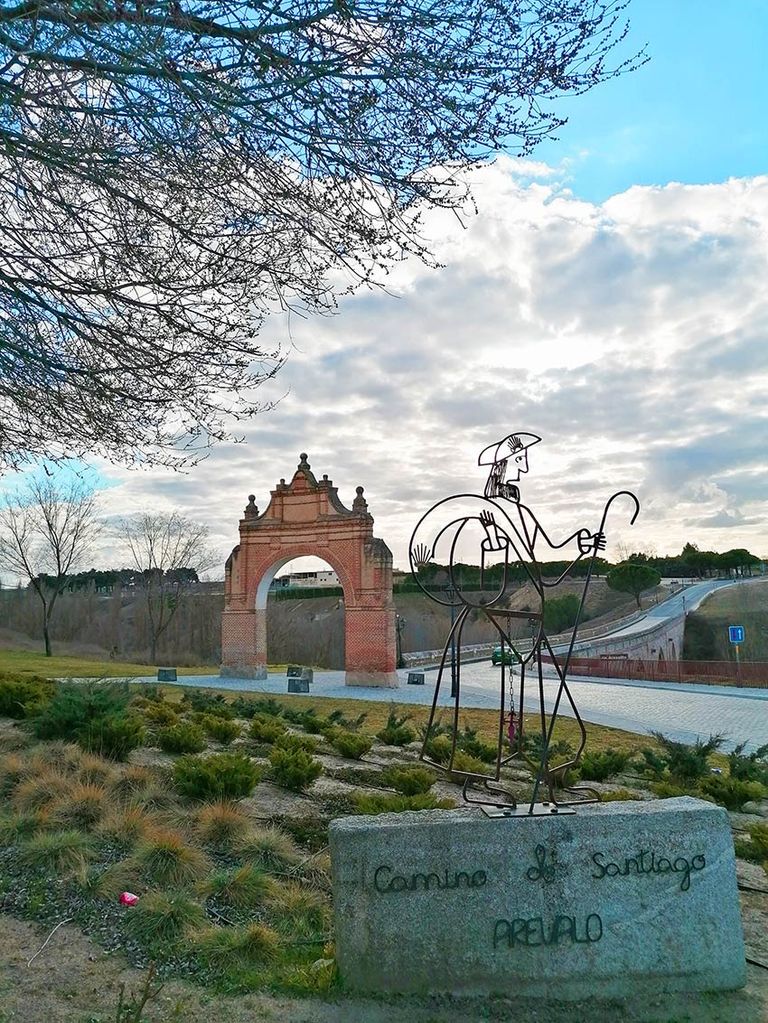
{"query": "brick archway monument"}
[(306, 517)]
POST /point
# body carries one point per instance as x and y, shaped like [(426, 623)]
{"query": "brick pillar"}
[(370, 647), (244, 644)]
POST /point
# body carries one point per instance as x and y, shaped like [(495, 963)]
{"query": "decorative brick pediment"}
[(302, 501)]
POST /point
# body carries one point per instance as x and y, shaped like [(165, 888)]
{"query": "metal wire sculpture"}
[(506, 531)]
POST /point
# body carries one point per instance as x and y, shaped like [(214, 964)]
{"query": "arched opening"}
[(304, 601)]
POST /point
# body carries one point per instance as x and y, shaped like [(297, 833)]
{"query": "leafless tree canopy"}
[(172, 170), (46, 532), (170, 551)]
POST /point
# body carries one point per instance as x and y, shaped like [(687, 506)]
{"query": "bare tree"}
[(170, 551), (173, 170), (46, 531)]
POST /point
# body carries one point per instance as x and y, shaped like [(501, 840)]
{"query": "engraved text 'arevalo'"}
[(531, 932)]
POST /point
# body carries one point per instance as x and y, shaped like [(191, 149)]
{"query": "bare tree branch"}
[(172, 171)]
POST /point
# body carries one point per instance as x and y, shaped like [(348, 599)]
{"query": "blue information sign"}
[(736, 633)]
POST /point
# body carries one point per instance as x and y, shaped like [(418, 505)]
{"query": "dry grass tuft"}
[(64, 852), (40, 791), (13, 768), (269, 848), (126, 826), (163, 918), (297, 909), (65, 757), (166, 859), (315, 871), (133, 780), (15, 827), (96, 770), (82, 806), (251, 945), (221, 824), (244, 888)]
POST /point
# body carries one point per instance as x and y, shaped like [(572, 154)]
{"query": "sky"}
[(609, 296)]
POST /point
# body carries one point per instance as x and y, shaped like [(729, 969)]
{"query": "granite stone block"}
[(618, 899)]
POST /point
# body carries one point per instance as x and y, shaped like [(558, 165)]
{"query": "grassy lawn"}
[(486, 722), (28, 662)]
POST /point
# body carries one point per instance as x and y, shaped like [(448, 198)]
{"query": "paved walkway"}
[(681, 712)]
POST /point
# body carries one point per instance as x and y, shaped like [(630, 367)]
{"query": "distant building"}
[(325, 577)]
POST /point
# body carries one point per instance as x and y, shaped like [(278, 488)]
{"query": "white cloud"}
[(630, 335)]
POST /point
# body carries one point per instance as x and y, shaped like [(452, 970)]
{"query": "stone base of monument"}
[(373, 679), (620, 899)]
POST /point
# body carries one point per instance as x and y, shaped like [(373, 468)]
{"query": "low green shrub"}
[(467, 740), (207, 703), (292, 740), (223, 730), (749, 766), (352, 745), (669, 790), (411, 781), (754, 848), (369, 803), (651, 764), (266, 729), (294, 769), (185, 737), (439, 749), (162, 918), (242, 707), (95, 715), (463, 763), (619, 796), (758, 835), (311, 722), (22, 697), (159, 713), (602, 765), (686, 762), (338, 719), (396, 732), (218, 776), (732, 793), (113, 737)]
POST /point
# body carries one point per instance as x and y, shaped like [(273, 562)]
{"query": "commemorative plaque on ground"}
[(619, 899)]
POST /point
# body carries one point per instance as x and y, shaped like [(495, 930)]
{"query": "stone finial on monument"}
[(360, 505), (251, 511)]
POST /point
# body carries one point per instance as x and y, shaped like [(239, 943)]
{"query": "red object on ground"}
[(128, 899)]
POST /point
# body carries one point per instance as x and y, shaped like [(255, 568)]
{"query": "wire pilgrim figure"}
[(504, 531)]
